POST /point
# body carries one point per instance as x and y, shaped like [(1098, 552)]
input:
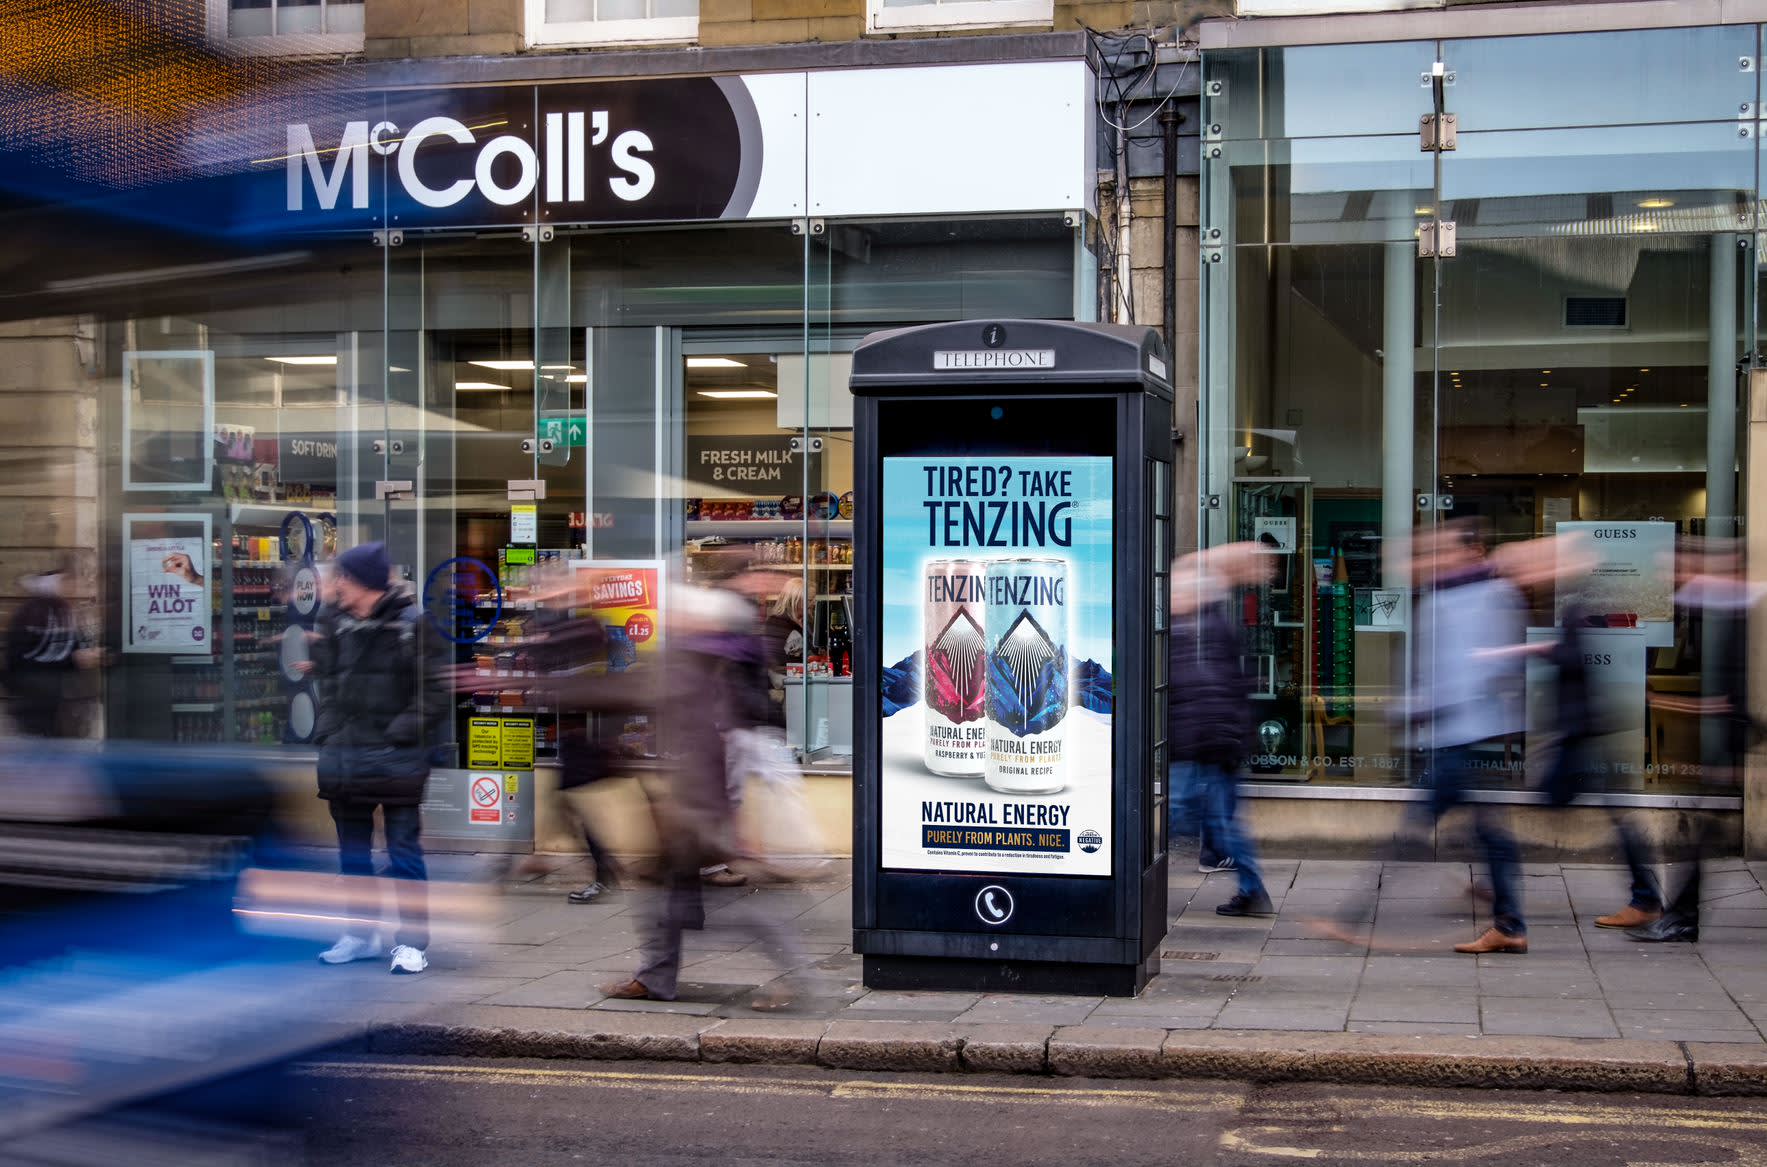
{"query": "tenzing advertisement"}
[(997, 642)]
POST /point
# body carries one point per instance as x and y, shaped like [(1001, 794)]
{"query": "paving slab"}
[(1539, 1017), (1019, 1008), (1417, 1005)]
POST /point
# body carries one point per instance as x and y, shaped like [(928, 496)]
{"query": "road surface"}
[(388, 1112)]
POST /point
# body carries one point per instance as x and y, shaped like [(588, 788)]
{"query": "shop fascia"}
[(566, 138), (689, 148)]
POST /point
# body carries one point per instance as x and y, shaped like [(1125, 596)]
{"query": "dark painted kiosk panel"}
[(1014, 493)]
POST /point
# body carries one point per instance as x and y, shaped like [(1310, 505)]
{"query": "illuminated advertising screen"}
[(997, 637)]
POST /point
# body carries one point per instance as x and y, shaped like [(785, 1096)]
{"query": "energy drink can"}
[(954, 668), (1027, 636)]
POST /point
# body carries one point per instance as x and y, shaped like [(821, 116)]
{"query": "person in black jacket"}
[(1210, 722), (383, 699), (1581, 718), (572, 658), (43, 656), (1716, 601)]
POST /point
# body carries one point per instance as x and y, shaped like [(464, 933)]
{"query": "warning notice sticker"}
[(484, 802)]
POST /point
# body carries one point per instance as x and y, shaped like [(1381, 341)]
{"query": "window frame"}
[(933, 16), (541, 33), (280, 44)]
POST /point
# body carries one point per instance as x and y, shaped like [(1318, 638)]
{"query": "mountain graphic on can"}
[(954, 677), (1026, 625)]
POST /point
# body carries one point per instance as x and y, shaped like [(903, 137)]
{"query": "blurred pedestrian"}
[(1469, 670), (1185, 818), (383, 702), (1209, 722), (758, 749), (705, 692), (1716, 602), (44, 654), (1581, 719), (572, 655)]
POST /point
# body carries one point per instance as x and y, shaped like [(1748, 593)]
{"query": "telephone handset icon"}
[(994, 904)]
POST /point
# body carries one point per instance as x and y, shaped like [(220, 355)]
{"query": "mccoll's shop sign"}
[(605, 152), (1011, 137)]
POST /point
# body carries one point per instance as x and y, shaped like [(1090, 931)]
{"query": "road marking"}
[(1194, 1100), (1741, 1154), (1177, 1098)]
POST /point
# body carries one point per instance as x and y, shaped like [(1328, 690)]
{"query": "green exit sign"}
[(565, 432)]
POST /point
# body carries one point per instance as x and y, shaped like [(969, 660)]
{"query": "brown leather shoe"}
[(632, 990), (1628, 917), (1495, 941)]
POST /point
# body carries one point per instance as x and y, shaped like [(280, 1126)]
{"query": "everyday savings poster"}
[(997, 643), (626, 596), (169, 595)]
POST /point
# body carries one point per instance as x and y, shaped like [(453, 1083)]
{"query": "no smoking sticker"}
[(485, 799)]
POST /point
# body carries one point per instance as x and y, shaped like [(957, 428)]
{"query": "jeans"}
[(403, 828), (1185, 811), (1451, 776), (1217, 791), (1571, 775)]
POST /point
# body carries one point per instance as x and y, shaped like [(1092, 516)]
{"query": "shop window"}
[(561, 23), (775, 497), (288, 27), (920, 15)]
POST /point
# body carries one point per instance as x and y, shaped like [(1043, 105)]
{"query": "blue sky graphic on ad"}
[(934, 508)]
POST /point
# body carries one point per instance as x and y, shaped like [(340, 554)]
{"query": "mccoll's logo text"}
[(567, 170), (653, 149)]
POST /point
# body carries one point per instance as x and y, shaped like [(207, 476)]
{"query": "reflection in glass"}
[(1603, 79)]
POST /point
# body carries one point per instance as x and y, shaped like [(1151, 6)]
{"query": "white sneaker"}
[(352, 948), (407, 959)]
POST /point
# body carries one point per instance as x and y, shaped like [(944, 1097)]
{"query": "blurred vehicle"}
[(146, 1010)]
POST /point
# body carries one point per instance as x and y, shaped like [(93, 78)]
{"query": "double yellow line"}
[(1569, 1111)]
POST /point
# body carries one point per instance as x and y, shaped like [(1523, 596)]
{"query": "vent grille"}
[(1595, 311)]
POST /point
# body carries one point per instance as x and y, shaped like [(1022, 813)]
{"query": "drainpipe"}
[(1120, 304), (1169, 118)]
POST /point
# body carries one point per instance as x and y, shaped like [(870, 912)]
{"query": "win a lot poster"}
[(997, 644)]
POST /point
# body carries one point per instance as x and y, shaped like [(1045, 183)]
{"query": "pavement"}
[(1260, 999)]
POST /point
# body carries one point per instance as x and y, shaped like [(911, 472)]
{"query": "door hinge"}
[(385, 491), (1436, 240), (1438, 132)]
